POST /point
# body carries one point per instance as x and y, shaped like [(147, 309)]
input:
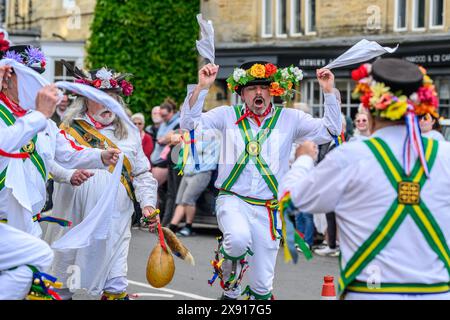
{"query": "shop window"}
[(310, 16), (296, 17), (418, 15), (281, 18), (400, 15), (436, 13), (267, 18)]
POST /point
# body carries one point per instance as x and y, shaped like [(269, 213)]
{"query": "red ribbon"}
[(161, 237), (74, 146), (250, 113), (17, 110), (22, 155)]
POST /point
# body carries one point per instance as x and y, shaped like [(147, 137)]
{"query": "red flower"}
[(127, 88), (97, 83), (271, 69), (365, 99), (43, 64), (113, 83), (4, 44), (360, 73)]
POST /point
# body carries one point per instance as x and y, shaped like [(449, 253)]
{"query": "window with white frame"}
[(310, 16), (61, 73), (267, 18), (418, 14), (436, 13), (281, 18), (400, 15), (296, 17)]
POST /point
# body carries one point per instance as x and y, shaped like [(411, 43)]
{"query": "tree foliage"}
[(152, 39)]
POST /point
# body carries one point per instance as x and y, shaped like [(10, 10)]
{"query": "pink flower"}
[(428, 96), (127, 88), (113, 83)]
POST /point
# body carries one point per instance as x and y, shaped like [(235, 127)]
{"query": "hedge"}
[(154, 40)]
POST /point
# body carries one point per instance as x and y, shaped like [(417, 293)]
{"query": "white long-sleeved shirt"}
[(292, 125), (351, 182), (145, 185), (51, 146)]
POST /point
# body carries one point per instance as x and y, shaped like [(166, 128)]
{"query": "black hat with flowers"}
[(280, 80), (103, 79), (27, 55)]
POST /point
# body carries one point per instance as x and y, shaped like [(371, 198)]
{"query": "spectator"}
[(194, 183), (159, 157), (157, 120), (147, 141), (173, 179), (430, 127), (362, 126)]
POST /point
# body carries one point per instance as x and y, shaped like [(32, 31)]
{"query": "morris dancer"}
[(386, 191), (256, 141), (91, 125), (23, 191)]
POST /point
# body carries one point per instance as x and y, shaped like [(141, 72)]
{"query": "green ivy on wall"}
[(152, 39)]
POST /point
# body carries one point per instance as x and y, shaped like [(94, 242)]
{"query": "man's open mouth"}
[(259, 102)]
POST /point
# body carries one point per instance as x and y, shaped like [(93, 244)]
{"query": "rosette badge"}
[(281, 82)]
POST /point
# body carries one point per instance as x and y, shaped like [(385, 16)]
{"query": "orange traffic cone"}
[(328, 291)]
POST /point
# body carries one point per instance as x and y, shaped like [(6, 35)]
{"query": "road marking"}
[(146, 294), (181, 293)]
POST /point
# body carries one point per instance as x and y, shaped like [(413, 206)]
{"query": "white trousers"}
[(17, 250), (244, 227)]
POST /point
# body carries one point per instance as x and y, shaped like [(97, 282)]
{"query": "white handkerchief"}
[(96, 225), (205, 45), (363, 51)]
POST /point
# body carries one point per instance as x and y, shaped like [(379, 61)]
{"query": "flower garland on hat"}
[(104, 79), (282, 81), (31, 57), (382, 102)]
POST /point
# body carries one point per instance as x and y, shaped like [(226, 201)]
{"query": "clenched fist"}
[(110, 157), (80, 176), (207, 75), (46, 100), (308, 148)]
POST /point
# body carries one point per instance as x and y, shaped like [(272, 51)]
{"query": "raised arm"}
[(320, 131), (25, 128), (192, 108)]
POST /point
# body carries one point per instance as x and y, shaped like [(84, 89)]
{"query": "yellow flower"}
[(378, 90), (258, 71), (396, 110), (290, 85)]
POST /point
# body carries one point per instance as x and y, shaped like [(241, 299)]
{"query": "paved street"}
[(292, 282)]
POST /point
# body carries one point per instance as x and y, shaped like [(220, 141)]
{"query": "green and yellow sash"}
[(407, 202), (89, 137), (30, 148), (253, 152)]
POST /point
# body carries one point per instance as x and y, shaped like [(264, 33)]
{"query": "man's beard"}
[(259, 105), (106, 121)]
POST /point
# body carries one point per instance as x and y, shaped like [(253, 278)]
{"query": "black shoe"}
[(224, 297)]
